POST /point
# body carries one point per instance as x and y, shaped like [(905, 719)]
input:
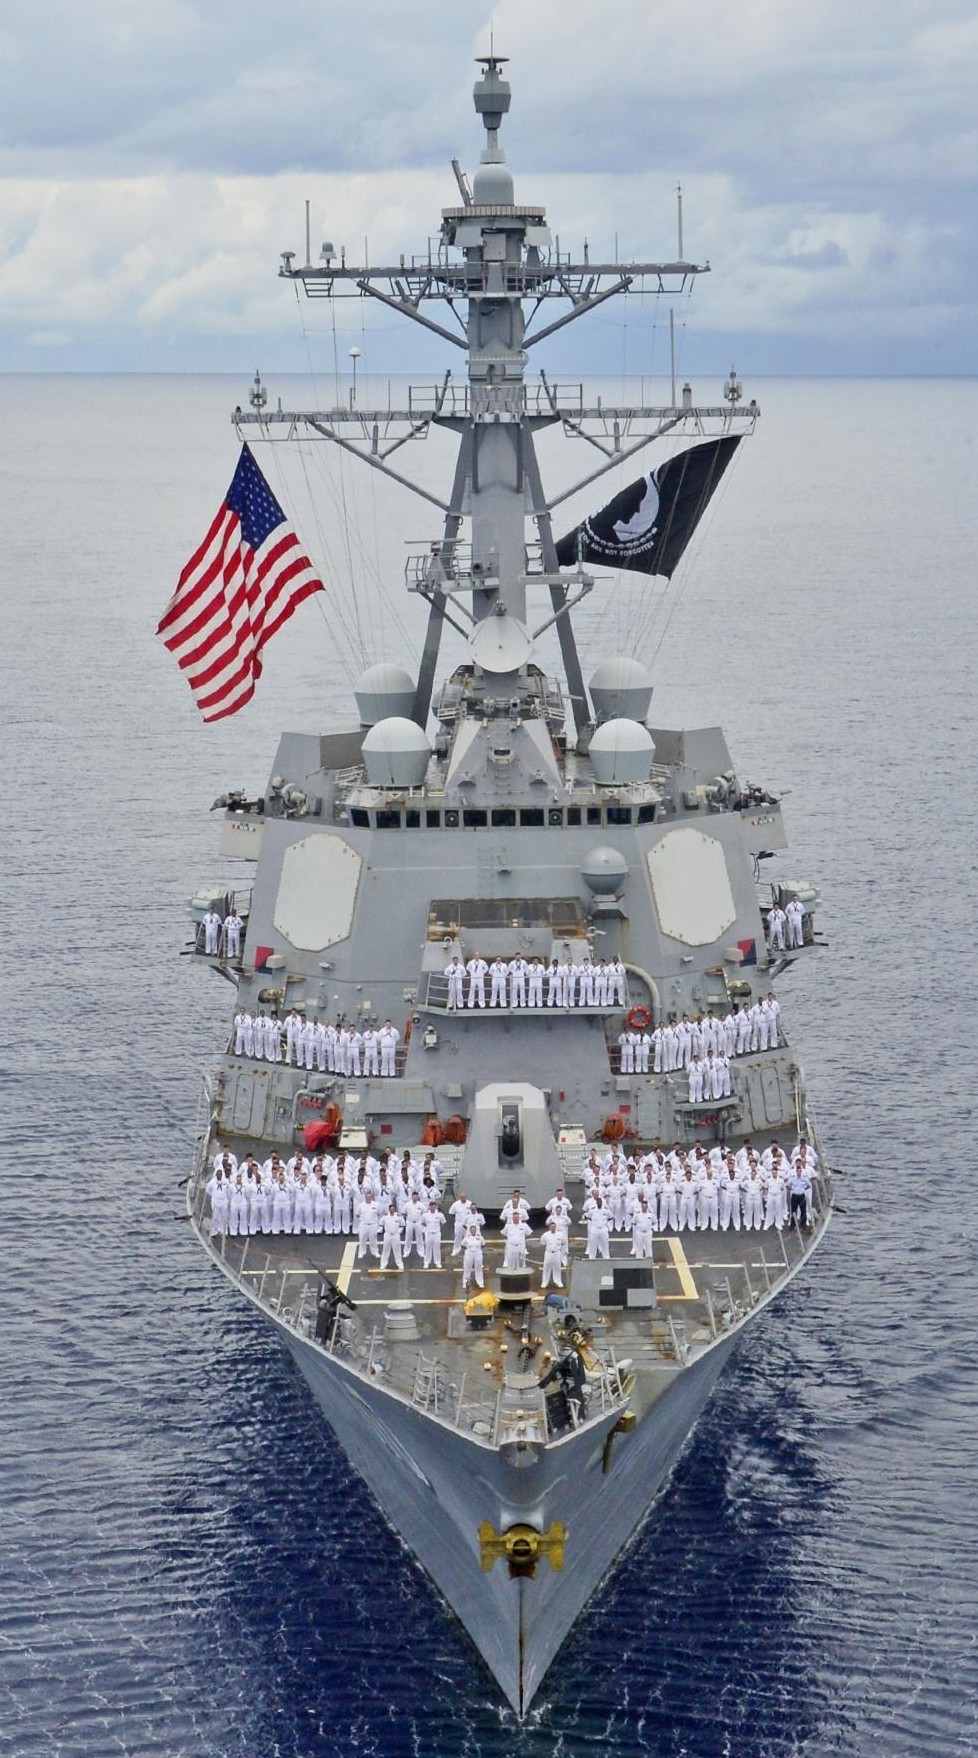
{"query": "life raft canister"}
[(455, 1130), (614, 1127), (432, 1135)]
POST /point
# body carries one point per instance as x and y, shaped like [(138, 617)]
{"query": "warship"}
[(505, 934)]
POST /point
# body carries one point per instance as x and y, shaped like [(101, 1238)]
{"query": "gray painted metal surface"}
[(507, 841)]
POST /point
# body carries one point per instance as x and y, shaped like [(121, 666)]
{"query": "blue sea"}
[(187, 1566)]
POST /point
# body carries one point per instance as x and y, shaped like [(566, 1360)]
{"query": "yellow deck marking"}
[(682, 1269), (347, 1265)]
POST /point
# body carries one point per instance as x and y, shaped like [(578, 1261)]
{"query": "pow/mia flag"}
[(648, 525)]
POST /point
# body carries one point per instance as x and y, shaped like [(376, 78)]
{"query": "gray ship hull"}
[(435, 1486)]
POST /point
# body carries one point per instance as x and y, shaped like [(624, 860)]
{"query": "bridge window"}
[(474, 818), (503, 817), (531, 815)]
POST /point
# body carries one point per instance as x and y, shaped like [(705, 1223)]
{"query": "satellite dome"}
[(383, 690), (621, 751), (492, 185), (621, 687), (396, 753), (604, 871)]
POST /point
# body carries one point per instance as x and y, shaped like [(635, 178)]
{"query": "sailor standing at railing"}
[(212, 931), (616, 983), (218, 1190), (232, 925), (534, 983), (518, 970), (795, 920), (556, 984), (388, 1038), (499, 973), (777, 923), (477, 969), (455, 974), (293, 1034), (371, 1050), (243, 1030)]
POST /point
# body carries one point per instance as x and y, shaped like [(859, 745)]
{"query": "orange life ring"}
[(455, 1130), (432, 1135), (614, 1127), (638, 1019)]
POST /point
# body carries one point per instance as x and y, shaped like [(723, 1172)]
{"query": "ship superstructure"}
[(506, 815)]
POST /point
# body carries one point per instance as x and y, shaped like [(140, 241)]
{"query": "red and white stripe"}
[(229, 601)]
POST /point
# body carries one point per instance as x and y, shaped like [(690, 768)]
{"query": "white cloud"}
[(156, 155)]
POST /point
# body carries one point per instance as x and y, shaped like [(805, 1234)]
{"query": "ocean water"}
[(187, 1567)]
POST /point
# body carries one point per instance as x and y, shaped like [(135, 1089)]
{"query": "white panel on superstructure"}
[(691, 887), (317, 891)]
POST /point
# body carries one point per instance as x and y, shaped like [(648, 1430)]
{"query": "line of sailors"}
[(786, 925), (223, 934), (317, 1044), (346, 1194), (394, 1206), (520, 982), (711, 1189), (701, 1045)]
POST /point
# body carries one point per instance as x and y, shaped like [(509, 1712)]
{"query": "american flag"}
[(242, 584)]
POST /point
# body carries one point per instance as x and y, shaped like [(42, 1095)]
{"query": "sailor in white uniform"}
[(556, 985), (626, 1049), (643, 1226), (515, 1208), (616, 983), (553, 1256), (776, 925), (472, 1260), (367, 1226), (477, 969), (795, 916), (388, 1038), (233, 925), (393, 1229), (518, 969), (414, 1214), (499, 972), (371, 1050), (455, 972), (431, 1231), (212, 931), (534, 983), (598, 1230), (218, 1189), (516, 1235)]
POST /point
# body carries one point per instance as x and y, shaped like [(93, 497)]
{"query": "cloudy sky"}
[(155, 157)]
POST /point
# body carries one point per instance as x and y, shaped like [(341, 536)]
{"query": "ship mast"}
[(494, 271)]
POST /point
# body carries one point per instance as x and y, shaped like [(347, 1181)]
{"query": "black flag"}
[(648, 525)]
